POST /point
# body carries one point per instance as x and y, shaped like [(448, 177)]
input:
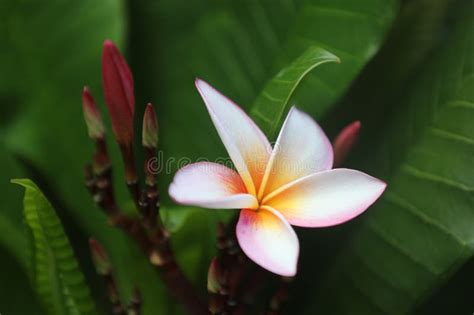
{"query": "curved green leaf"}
[(55, 272), (421, 231), (352, 30), (273, 101)]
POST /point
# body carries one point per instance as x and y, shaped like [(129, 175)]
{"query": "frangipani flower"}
[(291, 184)]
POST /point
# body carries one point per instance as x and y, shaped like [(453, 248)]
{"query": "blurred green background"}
[(407, 73)]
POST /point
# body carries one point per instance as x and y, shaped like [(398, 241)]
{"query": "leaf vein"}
[(461, 103), (392, 242), (271, 98), (339, 12), (404, 204), (443, 133), (415, 172)]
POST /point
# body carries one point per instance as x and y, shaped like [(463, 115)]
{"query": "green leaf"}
[(56, 276), (273, 102), (454, 295), (421, 231), (15, 287)]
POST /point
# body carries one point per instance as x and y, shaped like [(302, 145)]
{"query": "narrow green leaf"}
[(56, 276), (421, 231), (273, 102)]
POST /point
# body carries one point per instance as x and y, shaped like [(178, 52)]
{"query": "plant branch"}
[(225, 275), (103, 267), (279, 298), (148, 232), (135, 304)]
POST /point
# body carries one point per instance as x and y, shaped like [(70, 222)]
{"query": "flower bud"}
[(118, 89), (100, 258), (344, 142), (214, 277), (92, 117), (150, 128)]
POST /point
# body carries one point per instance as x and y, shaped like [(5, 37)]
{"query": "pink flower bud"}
[(344, 142), (150, 128), (100, 258), (92, 117), (118, 90)]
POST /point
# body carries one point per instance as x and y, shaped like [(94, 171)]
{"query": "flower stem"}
[(112, 292), (226, 274), (135, 304), (149, 234), (104, 269), (279, 298)]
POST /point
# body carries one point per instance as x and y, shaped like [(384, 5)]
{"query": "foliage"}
[(273, 101), (406, 71), (421, 231), (54, 270)]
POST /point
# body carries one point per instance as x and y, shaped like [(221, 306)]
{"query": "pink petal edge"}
[(210, 185), (327, 198), (246, 144), (269, 240)]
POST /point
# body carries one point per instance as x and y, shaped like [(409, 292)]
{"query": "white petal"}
[(301, 149), (268, 240), (326, 198), (210, 185), (247, 146)]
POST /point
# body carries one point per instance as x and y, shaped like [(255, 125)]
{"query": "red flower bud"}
[(118, 90), (100, 258), (344, 142), (150, 128), (92, 117)]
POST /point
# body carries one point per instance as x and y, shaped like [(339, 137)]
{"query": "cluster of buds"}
[(119, 96), (146, 229)]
